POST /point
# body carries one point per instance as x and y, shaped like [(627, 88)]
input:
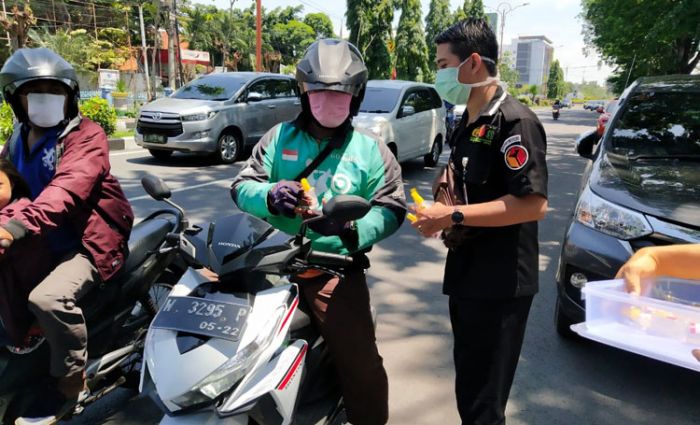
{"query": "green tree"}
[(439, 19), (370, 30), (657, 36), (533, 90), (321, 23), (411, 51), (462, 13), (476, 10), (555, 82), (292, 39), (508, 73)]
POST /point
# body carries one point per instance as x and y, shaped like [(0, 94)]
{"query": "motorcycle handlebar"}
[(324, 258)]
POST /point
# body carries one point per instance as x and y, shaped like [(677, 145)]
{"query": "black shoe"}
[(48, 406)]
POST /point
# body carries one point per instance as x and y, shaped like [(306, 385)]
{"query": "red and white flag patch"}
[(290, 155)]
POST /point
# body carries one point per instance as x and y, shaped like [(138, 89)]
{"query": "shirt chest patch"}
[(483, 134), (48, 158), (290, 155), (516, 157)]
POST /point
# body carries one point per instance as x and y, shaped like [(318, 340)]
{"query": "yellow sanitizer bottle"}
[(310, 193)]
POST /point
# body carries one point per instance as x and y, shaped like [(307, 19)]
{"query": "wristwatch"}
[(457, 217)]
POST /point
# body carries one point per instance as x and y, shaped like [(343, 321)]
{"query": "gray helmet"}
[(27, 65), (331, 64)]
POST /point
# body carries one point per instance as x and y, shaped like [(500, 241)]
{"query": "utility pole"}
[(94, 18), (258, 36), (504, 9), (145, 52), (341, 28), (4, 15), (181, 76), (171, 45)]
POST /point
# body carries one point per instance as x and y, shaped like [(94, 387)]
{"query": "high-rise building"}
[(533, 57)]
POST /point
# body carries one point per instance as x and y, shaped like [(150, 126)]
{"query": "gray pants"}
[(53, 303)]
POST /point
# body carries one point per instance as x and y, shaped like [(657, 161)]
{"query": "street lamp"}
[(504, 8)]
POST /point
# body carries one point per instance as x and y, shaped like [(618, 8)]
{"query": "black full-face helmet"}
[(331, 64), (29, 65)]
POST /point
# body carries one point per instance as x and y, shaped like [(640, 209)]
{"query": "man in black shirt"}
[(491, 273)]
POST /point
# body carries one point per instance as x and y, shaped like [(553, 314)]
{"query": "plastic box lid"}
[(663, 324)]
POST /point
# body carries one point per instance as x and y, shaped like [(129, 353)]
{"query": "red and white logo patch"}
[(290, 155), (516, 157)]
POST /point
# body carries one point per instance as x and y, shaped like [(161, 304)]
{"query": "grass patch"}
[(120, 134)]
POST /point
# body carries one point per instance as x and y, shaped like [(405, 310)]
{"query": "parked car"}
[(218, 114), (640, 189), (592, 105), (566, 103), (605, 116), (409, 117)]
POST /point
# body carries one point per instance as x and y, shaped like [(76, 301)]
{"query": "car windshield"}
[(659, 125), (214, 87), (380, 100)]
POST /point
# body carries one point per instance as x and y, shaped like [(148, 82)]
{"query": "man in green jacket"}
[(332, 78)]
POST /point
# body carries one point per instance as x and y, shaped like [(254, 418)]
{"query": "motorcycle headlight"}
[(597, 213), (199, 117), (235, 368)]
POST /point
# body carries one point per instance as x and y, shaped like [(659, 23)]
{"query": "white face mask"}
[(45, 110)]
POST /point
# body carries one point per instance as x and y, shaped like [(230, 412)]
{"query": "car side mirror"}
[(254, 97), (585, 143), (344, 208), (155, 187), (407, 111)]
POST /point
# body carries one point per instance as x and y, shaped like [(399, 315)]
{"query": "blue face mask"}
[(448, 86)]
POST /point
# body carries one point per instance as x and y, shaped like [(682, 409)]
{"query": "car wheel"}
[(160, 154), (229, 148), (433, 157), (563, 324)]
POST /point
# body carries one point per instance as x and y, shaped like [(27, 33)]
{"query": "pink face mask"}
[(330, 108)]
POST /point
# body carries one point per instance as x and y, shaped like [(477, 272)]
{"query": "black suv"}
[(641, 189)]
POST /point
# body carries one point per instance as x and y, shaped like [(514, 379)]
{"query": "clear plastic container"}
[(664, 324)]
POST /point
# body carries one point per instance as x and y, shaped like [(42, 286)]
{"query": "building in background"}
[(533, 58)]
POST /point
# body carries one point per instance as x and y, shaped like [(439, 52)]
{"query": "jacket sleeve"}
[(84, 164), (386, 194), (250, 188)]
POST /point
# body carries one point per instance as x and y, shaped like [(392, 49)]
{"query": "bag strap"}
[(336, 142)]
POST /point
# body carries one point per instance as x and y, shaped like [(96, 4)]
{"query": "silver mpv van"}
[(217, 114)]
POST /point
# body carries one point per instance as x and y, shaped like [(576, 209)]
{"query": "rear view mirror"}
[(585, 143), (156, 187), (254, 97), (407, 111), (344, 208)]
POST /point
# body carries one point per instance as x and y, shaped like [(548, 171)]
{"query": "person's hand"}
[(640, 267), (284, 197), (696, 354), (6, 238), (432, 219), (329, 227)]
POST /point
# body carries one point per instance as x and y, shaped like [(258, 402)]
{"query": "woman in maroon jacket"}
[(76, 206)]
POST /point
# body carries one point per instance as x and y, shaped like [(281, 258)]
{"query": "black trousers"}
[(488, 335)]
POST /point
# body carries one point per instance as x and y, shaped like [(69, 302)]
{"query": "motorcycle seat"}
[(146, 236)]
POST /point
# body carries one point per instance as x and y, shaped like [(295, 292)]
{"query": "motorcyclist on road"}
[(77, 206), (332, 78), (557, 105)]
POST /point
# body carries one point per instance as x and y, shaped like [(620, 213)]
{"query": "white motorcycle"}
[(240, 351)]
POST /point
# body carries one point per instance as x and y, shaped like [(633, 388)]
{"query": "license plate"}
[(154, 138), (216, 319)]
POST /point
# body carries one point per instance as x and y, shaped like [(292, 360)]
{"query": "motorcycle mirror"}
[(344, 208), (155, 187)]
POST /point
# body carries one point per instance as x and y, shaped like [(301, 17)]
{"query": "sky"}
[(556, 19)]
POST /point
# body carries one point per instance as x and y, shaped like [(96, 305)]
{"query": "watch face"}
[(457, 217)]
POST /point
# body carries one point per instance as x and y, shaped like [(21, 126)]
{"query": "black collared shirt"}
[(502, 152)]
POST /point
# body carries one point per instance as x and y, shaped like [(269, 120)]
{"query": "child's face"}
[(5, 190)]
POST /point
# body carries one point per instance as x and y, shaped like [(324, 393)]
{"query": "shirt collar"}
[(491, 108)]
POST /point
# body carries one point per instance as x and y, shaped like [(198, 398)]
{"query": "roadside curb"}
[(121, 144)]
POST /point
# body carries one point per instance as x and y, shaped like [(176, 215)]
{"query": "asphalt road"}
[(557, 382)]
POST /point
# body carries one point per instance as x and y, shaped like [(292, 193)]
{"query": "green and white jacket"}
[(362, 166)]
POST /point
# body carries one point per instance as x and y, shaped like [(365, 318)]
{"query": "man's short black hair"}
[(472, 35)]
